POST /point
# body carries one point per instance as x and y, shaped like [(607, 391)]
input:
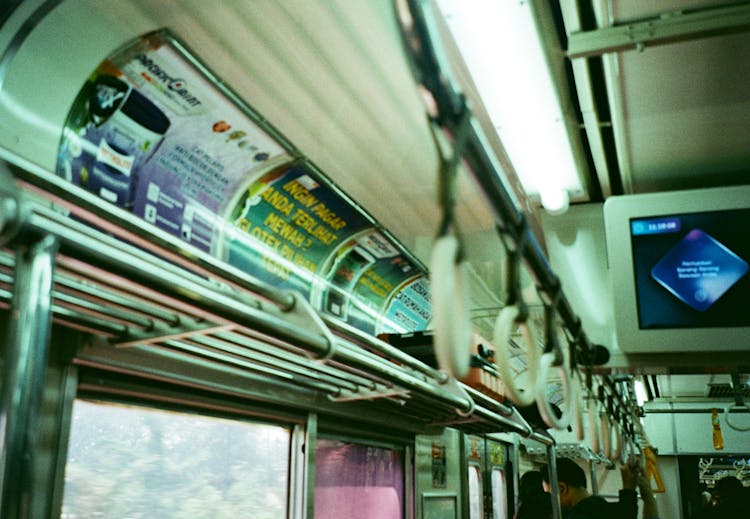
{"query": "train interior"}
[(353, 259)]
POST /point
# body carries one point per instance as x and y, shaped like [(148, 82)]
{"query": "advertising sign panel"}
[(152, 132)]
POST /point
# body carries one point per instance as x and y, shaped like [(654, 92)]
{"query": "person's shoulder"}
[(590, 508), (535, 508), (595, 501)]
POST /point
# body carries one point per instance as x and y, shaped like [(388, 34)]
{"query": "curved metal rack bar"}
[(141, 306)]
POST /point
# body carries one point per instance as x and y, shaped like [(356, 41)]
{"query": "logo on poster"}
[(173, 84)]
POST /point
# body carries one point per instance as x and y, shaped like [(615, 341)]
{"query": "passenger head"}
[(571, 483), (530, 485), (728, 488), (570, 473)]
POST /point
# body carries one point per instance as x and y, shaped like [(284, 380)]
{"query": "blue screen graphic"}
[(691, 270)]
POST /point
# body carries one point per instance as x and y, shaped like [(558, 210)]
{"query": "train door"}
[(487, 488), (474, 450), (438, 480), (499, 481)]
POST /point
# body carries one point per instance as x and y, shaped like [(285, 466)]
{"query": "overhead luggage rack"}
[(154, 308)]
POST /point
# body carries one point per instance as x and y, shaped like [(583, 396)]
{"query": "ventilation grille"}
[(726, 391)]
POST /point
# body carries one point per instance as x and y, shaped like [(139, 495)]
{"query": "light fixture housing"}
[(503, 51)]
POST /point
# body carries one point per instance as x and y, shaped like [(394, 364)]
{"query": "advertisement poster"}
[(439, 465), (379, 287), (361, 277), (408, 307), (294, 232), (151, 134), (285, 225)]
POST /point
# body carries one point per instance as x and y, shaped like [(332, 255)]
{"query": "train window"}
[(128, 461), (355, 481), (499, 494), (475, 493)]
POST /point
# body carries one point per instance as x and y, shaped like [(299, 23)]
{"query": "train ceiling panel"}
[(333, 77), (675, 90)]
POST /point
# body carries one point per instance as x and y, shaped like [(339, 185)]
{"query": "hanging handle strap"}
[(545, 408), (739, 403), (451, 321), (510, 319), (593, 426), (605, 426), (514, 317), (735, 426), (555, 357)]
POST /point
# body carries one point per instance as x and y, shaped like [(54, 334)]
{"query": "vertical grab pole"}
[(552, 477), (592, 475), (26, 348)]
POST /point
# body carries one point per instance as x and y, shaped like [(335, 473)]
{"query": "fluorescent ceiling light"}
[(500, 44), (640, 392)]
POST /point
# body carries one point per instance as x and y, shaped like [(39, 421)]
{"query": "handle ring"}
[(506, 321), (450, 308)]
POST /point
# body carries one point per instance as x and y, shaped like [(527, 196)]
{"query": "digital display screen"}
[(691, 270)]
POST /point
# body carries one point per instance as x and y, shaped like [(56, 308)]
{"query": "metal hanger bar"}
[(87, 245), (129, 227), (133, 263), (668, 28)]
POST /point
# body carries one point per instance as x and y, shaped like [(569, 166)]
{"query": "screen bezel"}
[(618, 212)]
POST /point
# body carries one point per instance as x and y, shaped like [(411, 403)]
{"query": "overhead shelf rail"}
[(143, 295)]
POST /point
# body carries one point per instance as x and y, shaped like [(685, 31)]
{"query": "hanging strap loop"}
[(555, 357), (593, 426), (514, 316), (450, 307), (451, 320), (510, 319), (543, 403)]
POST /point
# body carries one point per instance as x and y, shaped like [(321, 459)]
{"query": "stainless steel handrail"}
[(374, 365), (127, 226)]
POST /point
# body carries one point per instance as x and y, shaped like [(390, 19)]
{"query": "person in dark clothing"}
[(577, 503), (729, 499), (534, 502)]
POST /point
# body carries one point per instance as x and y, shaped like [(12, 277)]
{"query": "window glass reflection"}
[(499, 494), (358, 482), (475, 493), (139, 462)]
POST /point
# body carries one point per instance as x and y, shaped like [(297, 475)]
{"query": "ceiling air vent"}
[(726, 391)]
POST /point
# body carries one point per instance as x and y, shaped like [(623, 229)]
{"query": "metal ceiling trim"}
[(614, 97), (613, 80), (592, 125), (668, 28), (584, 90)]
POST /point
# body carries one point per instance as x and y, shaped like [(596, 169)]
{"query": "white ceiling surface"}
[(685, 107), (681, 128), (332, 76)]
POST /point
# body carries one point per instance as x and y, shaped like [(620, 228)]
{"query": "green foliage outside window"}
[(132, 463)]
